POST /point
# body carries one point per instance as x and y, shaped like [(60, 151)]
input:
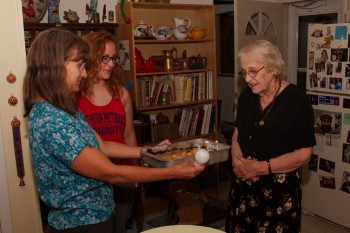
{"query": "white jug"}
[(181, 28)]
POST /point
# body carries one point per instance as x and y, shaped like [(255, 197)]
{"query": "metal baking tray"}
[(218, 152)]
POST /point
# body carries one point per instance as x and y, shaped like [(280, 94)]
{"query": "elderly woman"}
[(273, 138)]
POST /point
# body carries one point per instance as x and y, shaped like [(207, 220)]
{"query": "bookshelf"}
[(186, 96)]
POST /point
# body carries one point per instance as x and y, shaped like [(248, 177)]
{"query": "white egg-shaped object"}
[(202, 156)]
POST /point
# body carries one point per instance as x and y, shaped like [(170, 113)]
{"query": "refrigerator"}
[(326, 178)]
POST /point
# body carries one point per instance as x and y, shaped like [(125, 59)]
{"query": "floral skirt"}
[(272, 204)]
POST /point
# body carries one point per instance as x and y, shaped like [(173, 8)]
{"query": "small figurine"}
[(71, 16), (53, 8), (56, 17), (93, 5), (90, 11), (104, 17)]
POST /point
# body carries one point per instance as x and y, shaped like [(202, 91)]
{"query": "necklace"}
[(262, 121)]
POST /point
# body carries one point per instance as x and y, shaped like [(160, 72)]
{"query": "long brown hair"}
[(97, 42), (46, 71)]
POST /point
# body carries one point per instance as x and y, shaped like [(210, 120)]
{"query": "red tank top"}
[(108, 121)]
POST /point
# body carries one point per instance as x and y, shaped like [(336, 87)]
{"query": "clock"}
[(33, 10)]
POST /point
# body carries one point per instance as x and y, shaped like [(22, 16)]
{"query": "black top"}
[(288, 126)]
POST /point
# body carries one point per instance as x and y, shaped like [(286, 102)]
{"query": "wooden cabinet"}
[(32, 29), (185, 94)]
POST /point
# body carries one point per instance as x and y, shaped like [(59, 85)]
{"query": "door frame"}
[(19, 206)]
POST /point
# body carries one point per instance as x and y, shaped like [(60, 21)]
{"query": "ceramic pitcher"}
[(181, 28)]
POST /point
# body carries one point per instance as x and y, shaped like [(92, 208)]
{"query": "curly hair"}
[(97, 41)]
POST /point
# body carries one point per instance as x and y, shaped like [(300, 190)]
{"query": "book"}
[(194, 122), (212, 120), (182, 121), (188, 121), (179, 88), (207, 120), (199, 121), (187, 89)]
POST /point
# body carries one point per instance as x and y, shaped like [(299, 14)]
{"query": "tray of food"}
[(170, 155)]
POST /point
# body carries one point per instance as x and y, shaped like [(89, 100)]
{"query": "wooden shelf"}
[(172, 72), (171, 41), (165, 6), (71, 26), (169, 106)]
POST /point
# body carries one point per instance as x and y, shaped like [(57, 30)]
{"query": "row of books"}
[(178, 88), (179, 123), (198, 120)]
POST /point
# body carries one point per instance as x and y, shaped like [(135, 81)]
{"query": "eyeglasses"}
[(82, 66), (106, 59), (252, 73)]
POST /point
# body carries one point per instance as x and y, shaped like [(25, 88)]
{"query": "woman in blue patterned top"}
[(73, 174)]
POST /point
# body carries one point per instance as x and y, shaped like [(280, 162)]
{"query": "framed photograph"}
[(225, 44)]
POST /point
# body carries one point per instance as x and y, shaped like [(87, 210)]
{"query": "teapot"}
[(164, 33), (197, 33), (150, 65), (139, 61), (143, 30), (181, 27), (168, 59)]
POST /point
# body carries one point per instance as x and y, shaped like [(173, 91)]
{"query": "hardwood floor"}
[(309, 224)]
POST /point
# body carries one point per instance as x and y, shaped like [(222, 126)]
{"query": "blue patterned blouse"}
[(56, 138)]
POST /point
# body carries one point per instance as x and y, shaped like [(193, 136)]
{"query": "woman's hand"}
[(165, 142), (248, 169), (186, 170), (236, 151)]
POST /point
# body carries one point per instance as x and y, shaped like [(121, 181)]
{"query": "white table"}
[(183, 229)]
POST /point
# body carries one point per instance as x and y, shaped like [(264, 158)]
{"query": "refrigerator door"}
[(328, 67), (326, 179)]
